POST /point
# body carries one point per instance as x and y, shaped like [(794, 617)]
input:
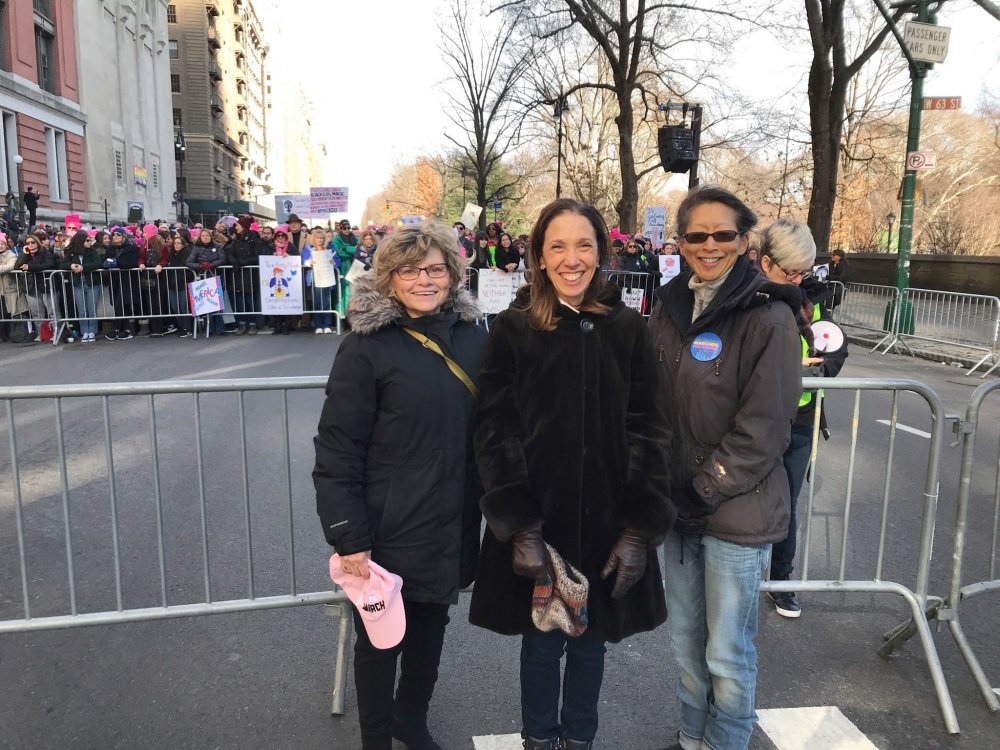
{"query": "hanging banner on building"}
[(205, 296), (281, 284), (286, 205), (328, 200), (655, 225), (497, 289), (139, 173), (670, 266)]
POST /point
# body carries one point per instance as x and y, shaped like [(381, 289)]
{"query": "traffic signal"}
[(676, 146), (387, 208)]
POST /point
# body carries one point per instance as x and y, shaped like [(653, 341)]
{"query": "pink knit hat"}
[(149, 230), (378, 601)]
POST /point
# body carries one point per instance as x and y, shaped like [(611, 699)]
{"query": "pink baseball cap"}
[(378, 600)]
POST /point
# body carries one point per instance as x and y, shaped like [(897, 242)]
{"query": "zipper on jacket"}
[(661, 353), (679, 351), (717, 363)]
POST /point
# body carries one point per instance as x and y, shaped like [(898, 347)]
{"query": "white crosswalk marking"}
[(498, 742), (816, 728), (905, 428)]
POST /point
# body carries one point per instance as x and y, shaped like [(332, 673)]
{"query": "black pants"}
[(796, 460), (375, 674)]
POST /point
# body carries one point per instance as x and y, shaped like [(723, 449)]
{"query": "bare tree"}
[(830, 75), (486, 73), (652, 51), (990, 7)]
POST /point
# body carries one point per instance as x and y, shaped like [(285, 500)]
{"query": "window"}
[(175, 83), (174, 55), (171, 14), (8, 149), (154, 174), (178, 118), (55, 157), (43, 50), (119, 149)]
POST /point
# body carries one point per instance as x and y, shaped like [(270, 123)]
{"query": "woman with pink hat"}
[(397, 489)]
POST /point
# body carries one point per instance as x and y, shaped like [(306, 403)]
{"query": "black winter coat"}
[(245, 249), (732, 414), (820, 296), (395, 468), (38, 263), (571, 430)]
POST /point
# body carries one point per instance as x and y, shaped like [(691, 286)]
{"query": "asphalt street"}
[(264, 680)]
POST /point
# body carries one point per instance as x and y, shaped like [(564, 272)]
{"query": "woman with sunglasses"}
[(83, 262), (728, 342), (787, 255), (396, 478)]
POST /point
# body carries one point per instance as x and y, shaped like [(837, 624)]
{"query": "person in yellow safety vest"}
[(787, 254)]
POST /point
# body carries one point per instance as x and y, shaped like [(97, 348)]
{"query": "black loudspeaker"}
[(134, 214), (676, 146)]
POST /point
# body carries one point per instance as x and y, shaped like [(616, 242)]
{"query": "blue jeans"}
[(178, 301), (540, 656), (796, 460), (712, 598), (86, 296), (322, 298)]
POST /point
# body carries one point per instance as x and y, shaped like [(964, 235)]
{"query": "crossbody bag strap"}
[(452, 364)]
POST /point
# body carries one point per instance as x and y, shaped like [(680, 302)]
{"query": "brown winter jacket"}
[(731, 416)]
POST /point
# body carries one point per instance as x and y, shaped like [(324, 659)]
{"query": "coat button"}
[(698, 459), (586, 326)]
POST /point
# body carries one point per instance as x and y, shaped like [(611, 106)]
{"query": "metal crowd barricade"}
[(637, 289), (122, 294), (32, 302), (916, 596), (953, 320), (243, 291), (869, 313), (9, 396), (948, 609)]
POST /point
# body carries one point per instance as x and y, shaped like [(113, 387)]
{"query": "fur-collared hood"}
[(369, 310)]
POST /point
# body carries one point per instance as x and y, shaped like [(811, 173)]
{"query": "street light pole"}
[(465, 176), (891, 218), (180, 147), (561, 107)]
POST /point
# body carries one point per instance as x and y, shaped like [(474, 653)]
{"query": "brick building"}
[(40, 116)]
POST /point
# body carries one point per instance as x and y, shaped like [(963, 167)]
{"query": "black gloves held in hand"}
[(628, 557), (530, 555)]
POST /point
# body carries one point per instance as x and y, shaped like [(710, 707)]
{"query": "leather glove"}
[(204, 266), (628, 557), (530, 555)]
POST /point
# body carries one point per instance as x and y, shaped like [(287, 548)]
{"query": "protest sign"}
[(286, 205), (323, 269), (205, 296), (356, 271), (411, 220), (633, 298), (470, 217), (280, 284), (670, 266), (328, 200), (497, 289), (655, 225)]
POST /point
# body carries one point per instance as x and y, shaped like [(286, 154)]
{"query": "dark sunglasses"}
[(700, 238)]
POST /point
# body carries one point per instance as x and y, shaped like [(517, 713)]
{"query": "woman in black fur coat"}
[(571, 440)]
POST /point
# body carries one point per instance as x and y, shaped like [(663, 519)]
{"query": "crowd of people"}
[(122, 277), (587, 438)]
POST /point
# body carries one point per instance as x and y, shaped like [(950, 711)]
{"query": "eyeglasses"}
[(700, 238), (412, 273), (789, 275)]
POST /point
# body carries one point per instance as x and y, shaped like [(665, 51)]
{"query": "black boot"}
[(286, 328), (574, 745), (530, 743), (413, 733)]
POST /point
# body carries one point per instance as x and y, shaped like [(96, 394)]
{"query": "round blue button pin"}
[(706, 347)]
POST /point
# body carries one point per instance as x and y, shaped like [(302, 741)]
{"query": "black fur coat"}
[(570, 429)]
